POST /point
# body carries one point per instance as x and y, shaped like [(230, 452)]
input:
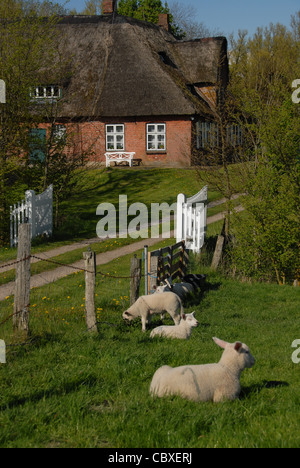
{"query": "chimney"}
[(164, 21), (109, 7)]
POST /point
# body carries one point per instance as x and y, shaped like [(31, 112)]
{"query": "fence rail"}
[(171, 261)]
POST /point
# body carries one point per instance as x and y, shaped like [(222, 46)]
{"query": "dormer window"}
[(46, 92)]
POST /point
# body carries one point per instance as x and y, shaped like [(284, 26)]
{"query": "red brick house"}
[(131, 86)]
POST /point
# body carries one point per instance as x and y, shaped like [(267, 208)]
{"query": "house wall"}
[(90, 137), (178, 141)]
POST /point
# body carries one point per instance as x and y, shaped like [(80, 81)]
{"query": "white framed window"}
[(46, 92), (115, 137), (156, 137), (59, 134)]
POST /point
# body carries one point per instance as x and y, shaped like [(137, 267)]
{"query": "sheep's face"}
[(236, 352), (245, 357), (127, 315), (191, 320)]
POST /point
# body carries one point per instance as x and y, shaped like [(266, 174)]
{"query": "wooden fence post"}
[(146, 268), (22, 284), (218, 253), (152, 272), (90, 276), (136, 274)]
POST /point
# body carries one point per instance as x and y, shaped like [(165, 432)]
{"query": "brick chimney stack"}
[(164, 21), (109, 7)]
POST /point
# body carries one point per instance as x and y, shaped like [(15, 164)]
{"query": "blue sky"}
[(231, 15)]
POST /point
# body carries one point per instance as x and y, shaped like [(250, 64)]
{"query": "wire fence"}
[(77, 303), (55, 301)]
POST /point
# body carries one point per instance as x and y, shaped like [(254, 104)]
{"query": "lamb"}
[(208, 382), (146, 306), (182, 331)]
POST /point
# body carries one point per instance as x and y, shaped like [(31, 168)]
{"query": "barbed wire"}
[(55, 262)]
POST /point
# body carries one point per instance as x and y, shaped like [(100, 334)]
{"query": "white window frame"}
[(46, 92), (111, 137), (59, 133), (153, 137)]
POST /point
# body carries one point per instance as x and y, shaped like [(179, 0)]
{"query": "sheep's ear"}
[(127, 313), (237, 346), (183, 316), (220, 343)]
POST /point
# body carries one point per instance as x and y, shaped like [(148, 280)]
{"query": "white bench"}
[(119, 157)]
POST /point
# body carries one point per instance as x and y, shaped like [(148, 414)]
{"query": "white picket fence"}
[(36, 210), (191, 220)]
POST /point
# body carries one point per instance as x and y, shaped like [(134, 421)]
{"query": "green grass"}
[(98, 186), (69, 389), (78, 219)]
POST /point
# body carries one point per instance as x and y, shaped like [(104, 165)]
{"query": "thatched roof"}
[(122, 67)]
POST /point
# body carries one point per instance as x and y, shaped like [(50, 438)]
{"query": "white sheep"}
[(146, 306), (208, 382), (182, 331)]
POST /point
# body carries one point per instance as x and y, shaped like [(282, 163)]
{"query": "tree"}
[(267, 237), (27, 47), (147, 10), (24, 39), (92, 7), (184, 18)]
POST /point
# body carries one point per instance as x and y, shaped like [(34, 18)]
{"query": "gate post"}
[(181, 199)]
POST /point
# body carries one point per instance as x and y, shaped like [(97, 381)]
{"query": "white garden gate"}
[(36, 210), (191, 219)]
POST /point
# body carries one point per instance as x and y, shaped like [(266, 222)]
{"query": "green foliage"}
[(148, 10), (22, 54), (267, 241)]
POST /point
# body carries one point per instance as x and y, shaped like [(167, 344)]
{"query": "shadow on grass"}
[(59, 390), (195, 298), (258, 387)]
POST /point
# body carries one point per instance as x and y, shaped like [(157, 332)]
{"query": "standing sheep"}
[(182, 331), (146, 306), (209, 382)]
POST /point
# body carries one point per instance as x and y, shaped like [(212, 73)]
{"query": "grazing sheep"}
[(182, 331), (209, 382), (146, 306)]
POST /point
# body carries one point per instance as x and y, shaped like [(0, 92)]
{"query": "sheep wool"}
[(208, 382), (146, 306), (182, 331)]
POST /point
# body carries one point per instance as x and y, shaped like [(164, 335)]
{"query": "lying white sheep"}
[(146, 306), (209, 382), (182, 331)]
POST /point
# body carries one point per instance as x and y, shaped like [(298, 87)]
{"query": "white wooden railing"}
[(191, 219), (36, 210)]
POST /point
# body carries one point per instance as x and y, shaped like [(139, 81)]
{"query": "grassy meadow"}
[(67, 388)]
